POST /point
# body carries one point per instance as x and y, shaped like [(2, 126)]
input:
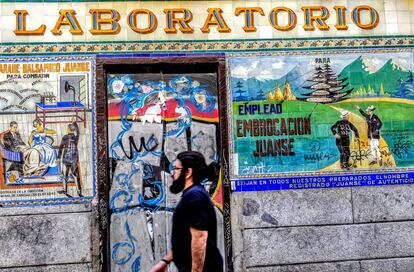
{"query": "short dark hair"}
[(12, 123), (196, 161), (37, 121)]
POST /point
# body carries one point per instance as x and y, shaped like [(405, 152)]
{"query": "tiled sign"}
[(321, 115), (80, 21)]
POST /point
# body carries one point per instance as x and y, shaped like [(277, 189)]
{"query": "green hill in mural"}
[(388, 76)]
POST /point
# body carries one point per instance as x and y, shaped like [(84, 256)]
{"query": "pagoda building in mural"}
[(326, 87)]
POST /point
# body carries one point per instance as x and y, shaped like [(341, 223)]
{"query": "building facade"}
[(303, 110)]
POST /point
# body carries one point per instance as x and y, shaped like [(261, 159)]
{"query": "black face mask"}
[(178, 185)]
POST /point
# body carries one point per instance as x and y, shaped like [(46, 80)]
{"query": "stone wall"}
[(347, 229), (46, 238)]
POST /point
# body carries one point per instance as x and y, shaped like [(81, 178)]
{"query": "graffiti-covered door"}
[(153, 116)]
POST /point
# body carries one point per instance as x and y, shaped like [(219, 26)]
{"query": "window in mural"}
[(151, 118), (45, 135), (322, 113)]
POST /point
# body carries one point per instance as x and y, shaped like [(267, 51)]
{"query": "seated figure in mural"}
[(41, 155), (342, 130), (13, 142), (68, 153)]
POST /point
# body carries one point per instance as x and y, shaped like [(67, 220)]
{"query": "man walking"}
[(374, 126), (194, 231), (341, 131)]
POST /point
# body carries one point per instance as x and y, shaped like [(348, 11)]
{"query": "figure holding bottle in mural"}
[(68, 153), (342, 130), (374, 126)]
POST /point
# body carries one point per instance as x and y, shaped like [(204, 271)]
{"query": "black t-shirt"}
[(196, 210)]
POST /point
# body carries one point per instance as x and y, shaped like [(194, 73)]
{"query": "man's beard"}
[(178, 184)]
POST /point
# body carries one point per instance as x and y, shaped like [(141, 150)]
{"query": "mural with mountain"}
[(387, 81), (274, 96), (319, 82)]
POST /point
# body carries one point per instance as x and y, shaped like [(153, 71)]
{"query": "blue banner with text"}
[(317, 182)]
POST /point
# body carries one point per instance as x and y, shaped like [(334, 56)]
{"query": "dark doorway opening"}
[(147, 110)]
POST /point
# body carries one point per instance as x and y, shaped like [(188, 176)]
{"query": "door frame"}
[(110, 64)]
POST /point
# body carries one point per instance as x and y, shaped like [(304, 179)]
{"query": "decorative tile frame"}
[(62, 201), (109, 64), (252, 182), (207, 45)]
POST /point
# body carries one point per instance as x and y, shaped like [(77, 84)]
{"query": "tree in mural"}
[(409, 85), (410, 79), (400, 91), (278, 93), (240, 92), (356, 93), (382, 91), (405, 89), (371, 92), (260, 95), (326, 87), (270, 95), (287, 92), (360, 92)]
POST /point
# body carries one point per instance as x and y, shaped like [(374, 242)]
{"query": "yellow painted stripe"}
[(376, 99)]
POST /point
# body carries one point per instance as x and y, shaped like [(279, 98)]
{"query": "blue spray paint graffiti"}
[(122, 252), (183, 121), (139, 159)]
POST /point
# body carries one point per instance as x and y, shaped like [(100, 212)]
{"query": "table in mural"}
[(75, 110)]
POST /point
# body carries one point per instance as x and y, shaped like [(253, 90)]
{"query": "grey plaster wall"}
[(52, 268), (378, 265), (345, 229), (46, 238)]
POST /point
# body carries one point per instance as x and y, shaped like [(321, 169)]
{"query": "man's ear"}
[(189, 173)]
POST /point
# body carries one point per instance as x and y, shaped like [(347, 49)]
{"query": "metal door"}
[(152, 116)]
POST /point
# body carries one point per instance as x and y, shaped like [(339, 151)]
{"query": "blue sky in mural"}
[(253, 78), (275, 67)]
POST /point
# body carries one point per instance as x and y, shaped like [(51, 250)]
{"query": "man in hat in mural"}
[(374, 126), (342, 130), (194, 230)]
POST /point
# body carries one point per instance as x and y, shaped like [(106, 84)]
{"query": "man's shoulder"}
[(195, 189), (197, 192)]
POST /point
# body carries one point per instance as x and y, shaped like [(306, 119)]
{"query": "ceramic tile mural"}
[(45, 135), (318, 114)]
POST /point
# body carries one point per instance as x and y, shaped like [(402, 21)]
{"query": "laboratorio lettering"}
[(179, 20)]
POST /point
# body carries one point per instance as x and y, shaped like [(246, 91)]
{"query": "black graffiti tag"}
[(402, 146), (143, 145), (316, 153)]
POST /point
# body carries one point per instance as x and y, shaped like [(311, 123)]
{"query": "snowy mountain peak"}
[(369, 65), (398, 65)]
